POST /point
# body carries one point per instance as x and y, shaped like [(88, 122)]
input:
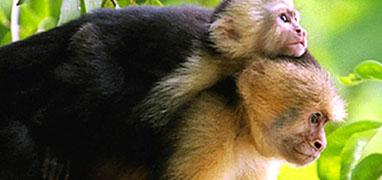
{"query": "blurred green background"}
[(342, 33)]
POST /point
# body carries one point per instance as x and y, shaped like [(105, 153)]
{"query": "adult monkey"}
[(62, 88), (273, 112), (279, 116)]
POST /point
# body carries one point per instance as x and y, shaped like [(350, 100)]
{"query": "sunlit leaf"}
[(5, 7), (208, 3), (29, 21), (3, 19), (70, 10), (336, 142), (153, 2), (351, 79), (368, 69), (46, 24), (369, 168), (375, 145), (54, 8), (40, 8), (107, 4), (7, 38), (124, 3), (352, 152), (82, 7)]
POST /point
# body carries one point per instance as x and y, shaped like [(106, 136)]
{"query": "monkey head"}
[(288, 104), (243, 28)]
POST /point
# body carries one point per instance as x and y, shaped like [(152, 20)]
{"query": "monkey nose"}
[(318, 145), (298, 30)]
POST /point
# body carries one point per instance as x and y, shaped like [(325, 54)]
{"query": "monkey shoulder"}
[(211, 105)]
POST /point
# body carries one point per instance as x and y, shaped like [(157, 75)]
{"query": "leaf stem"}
[(15, 26)]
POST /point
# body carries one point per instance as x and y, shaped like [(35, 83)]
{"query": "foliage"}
[(340, 34), (369, 69), (345, 153), (345, 150)]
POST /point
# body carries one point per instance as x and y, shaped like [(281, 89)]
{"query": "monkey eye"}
[(315, 118), (284, 18)]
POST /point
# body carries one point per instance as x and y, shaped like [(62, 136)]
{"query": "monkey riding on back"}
[(109, 92)]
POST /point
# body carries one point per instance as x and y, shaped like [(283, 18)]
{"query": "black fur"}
[(70, 91)]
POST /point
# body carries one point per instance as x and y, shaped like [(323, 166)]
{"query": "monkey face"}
[(253, 27), (305, 143), (284, 34), (288, 104)]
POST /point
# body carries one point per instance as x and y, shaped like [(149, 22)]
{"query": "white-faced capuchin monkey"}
[(273, 112), (93, 88)]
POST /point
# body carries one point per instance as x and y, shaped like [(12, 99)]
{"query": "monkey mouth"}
[(302, 43), (310, 156)]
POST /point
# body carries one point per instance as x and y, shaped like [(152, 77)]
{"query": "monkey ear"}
[(224, 34), (223, 28)]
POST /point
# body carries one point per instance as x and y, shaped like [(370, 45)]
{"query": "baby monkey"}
[(240, 31), (246, 28)]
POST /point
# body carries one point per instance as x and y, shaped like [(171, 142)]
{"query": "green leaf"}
[(5, 7), (70, 10), (54, 8), (375, 145), (353, 150), (82, 7), (123, 3), (29, 20), (153, 2), (46, 24), (6, 39), (107, 4), (369, 168), (40, 8), (331, 157), (351, 79), (3, 19), (368, 69), (92, 4)]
